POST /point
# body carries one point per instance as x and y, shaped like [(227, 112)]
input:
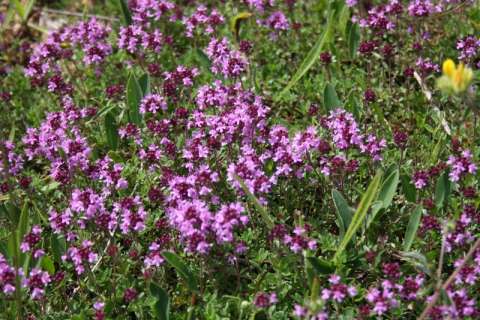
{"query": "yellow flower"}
[(455, 78)]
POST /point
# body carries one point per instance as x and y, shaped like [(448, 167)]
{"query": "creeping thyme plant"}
[(248, 159)]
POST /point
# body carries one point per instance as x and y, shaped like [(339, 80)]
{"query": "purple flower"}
[(460, 165), (229, 63), (7, 276), (420, 179), (422, 8), (36, 283), (133, 214), (152, 103), (201, 18), (468, 47), (277, 22), (154, 257), (81, 256), (426, 66), (265, 300)]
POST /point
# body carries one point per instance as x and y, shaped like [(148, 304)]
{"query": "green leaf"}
[(111, 131), (389, 188), (134, 96), (386, 194), (360, 214), (321, 266), (162, 305), (330, 98), (353, 38), (59, 247), (412, 227), (442, 190), (436, 150), (50, 186), (20, 8), (417, 260), (408, 189), (144, 82), (175, 261), (127, 15), (13, 246), (29, 7), (23, 223), (312, 55), (260, 208), (203, 59), (344, 211), (80, 316), (47, 264)]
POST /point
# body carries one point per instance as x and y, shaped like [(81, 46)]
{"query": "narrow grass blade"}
[(360, 214), (260, 208)]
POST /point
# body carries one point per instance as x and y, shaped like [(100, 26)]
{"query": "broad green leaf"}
[(408, 189), (111, 131), (11, 211), (377, 206), (312, 56), (47, 264), (203, 59), (127, 15), (261, 209), (321, 266), (344, 211), (385, 195), (389, 188), (330, 98), (436, 150), (412, 227), (175, 261), (162, 305), (360, 214), (144, 82), (134, 96), (59, 247), (353, 38), (442, 190)]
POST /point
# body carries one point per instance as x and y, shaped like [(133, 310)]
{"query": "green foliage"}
[(359, 215), (412, 227), (184, 271), (134, 96)]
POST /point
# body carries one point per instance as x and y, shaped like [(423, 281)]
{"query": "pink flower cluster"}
[(201, 18), (36, 282), (338, 291), (31, 241), (81, 256), (135, 40), (7, 276), (227, 62), (460, 165), (44, 64)]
